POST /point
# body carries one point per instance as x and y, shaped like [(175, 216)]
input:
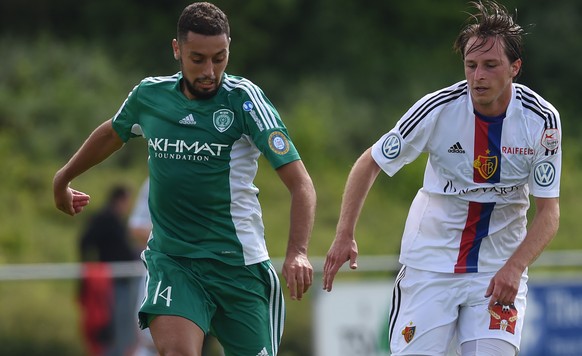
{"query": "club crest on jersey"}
[(551, 139), (486, 166), (391, 146), (278, 143), (222, 119), (408, 333), (503, 317)]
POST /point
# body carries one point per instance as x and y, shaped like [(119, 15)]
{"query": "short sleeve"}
[(264, 125), (544, 179), (125, 122)]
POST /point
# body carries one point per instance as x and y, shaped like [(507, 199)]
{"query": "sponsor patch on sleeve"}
[(278, 143), (391, 146), (544, 174)]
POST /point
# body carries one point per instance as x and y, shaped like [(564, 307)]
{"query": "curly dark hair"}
[(492, 20), (202, 18)]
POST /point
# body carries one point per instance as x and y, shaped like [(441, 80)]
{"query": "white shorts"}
[(429, 308)]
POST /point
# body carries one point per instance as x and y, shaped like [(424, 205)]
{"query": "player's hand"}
[(298, 273), (70, 201), (504, 286), (339, 252)]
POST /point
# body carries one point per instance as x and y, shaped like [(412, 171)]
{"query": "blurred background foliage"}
[(340, 72)]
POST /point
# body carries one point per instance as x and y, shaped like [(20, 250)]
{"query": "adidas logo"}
[(188, 120), (263, 352), (456, 148)]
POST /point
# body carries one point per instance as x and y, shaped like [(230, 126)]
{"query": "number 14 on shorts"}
[(166, 294)]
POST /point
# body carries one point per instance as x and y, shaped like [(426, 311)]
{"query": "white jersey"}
[(470, 214)]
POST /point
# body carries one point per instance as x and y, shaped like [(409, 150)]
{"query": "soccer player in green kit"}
[(207, 261)]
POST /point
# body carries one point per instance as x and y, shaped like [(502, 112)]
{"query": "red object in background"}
[(96, 301)]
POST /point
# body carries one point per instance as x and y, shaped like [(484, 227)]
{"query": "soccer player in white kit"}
[(466, 246)]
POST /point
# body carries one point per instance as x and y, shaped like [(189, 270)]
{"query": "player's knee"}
[(177, 350), (488, 347)]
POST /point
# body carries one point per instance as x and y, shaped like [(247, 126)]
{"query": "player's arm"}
[(544, 226), (297, 269), (102, 142), (344, 247)]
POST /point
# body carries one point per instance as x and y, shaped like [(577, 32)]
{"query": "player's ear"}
[(176, 49), (515, 67)]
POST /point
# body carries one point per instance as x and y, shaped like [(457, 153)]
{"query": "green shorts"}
[(242, 306)]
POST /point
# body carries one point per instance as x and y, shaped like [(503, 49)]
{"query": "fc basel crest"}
[(486, 166), (408, 333), (222, 119)]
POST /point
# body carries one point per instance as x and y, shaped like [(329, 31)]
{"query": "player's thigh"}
[(487, 347), (172, 288), (250, 311), (175, 335), (424, 312)]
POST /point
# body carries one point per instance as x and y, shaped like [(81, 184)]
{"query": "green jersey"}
[(203, 158)]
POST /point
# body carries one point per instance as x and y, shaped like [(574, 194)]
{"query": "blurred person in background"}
[(466, 246), (108, 303), (208, 268), (140, 227)]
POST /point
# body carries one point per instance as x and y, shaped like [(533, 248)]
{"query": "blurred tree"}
[(54, 94)]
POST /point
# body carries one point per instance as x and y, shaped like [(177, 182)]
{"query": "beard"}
[(199, 94), (191, 88)]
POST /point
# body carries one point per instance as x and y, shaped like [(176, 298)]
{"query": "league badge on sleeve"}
[(278, 143), (551, 139)]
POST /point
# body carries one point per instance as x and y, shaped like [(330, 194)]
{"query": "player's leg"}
[(250, 310), (488, 347), (146, 345), (424, 312), (176, 307), (175, 335)]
